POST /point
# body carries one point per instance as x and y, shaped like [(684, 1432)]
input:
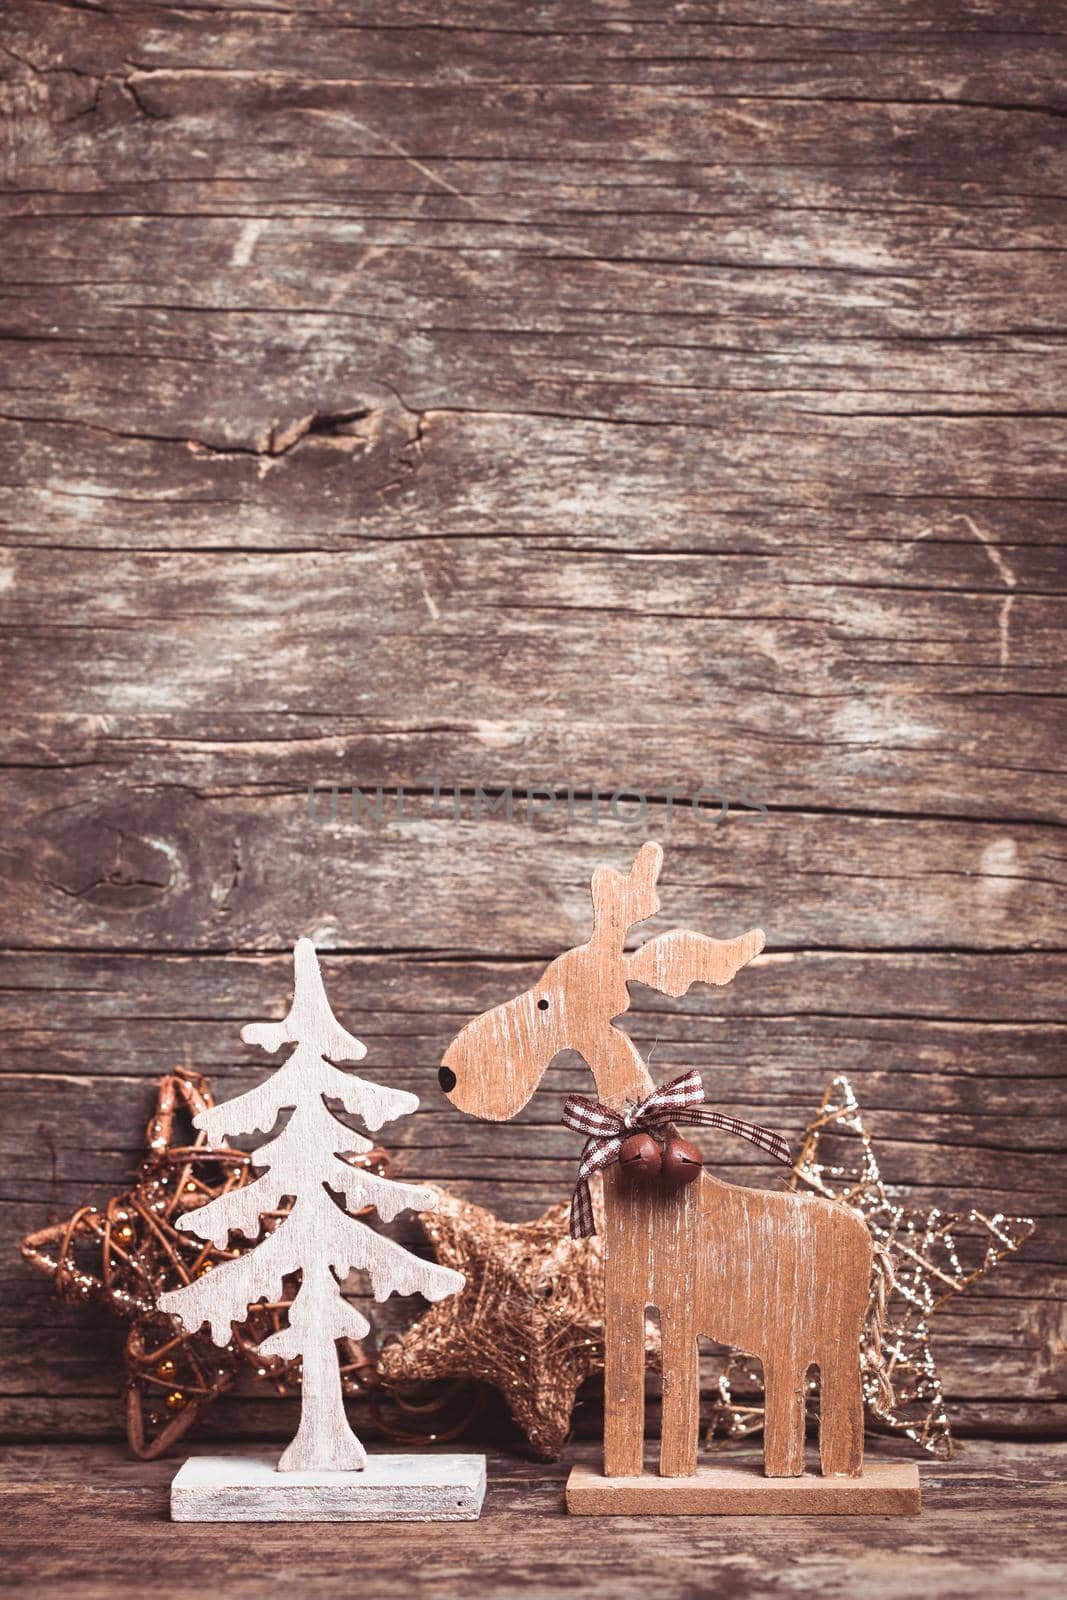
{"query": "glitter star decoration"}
[(530, 1321), (935, 1255)]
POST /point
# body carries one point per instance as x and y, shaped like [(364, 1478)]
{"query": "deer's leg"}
[(841, 1416), (783, 1421), (626, 1294), (681, 1398), (624, 1385)]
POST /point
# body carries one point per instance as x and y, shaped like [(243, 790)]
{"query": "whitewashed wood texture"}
[(318, 1238), (783, 1277), (426, 1488)]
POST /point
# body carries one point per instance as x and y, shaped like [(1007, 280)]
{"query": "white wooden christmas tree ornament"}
[(324, 1473)]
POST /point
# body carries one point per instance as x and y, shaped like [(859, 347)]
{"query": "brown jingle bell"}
[(643, 1160), (640, 1158), (680, 1164)]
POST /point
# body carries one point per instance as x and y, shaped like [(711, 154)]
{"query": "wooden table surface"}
[(86, 1522)]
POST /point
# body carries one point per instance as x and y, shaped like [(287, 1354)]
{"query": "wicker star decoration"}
[(936, 1255), (123, 1254), (530, 1320)]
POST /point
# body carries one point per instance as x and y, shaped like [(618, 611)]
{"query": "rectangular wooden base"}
[(886, 1489), (429, 1488)]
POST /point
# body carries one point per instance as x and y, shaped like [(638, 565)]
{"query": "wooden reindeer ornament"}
[(322, 1241), (781, 1276)]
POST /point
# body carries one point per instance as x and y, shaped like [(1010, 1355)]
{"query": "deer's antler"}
[(619, 902), (673, 961)]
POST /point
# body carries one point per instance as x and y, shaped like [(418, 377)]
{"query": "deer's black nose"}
[(446, 1078)]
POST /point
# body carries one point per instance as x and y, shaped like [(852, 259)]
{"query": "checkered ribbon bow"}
[(680, 1101)]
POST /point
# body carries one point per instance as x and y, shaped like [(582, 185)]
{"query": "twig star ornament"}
[(530, 1321), (318, 1238), (122, 1254), (935, 1255)]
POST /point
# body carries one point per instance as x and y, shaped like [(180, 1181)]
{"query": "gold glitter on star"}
[(530, 1320), (936, 1255)]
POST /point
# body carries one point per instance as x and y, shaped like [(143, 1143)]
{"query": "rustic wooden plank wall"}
[(590, 393)]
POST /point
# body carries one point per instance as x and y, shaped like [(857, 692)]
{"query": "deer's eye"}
[(542, 1005)]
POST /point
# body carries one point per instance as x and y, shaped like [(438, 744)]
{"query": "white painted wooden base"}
[(429, 1488)]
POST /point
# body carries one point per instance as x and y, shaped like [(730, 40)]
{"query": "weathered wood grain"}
[(184, 599), (825, 754), (572, 483), (604, 396), (84, 1517), (168, 867)]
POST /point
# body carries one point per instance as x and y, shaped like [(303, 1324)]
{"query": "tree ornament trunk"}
[(324, 1440)]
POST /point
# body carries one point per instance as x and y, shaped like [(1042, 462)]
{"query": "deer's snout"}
[(494, 1065)]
